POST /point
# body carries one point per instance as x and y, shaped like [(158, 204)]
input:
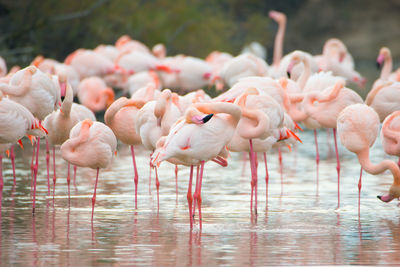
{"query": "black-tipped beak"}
[(288, 74), (380, 197), (378, 65), (207, 118), (62, 98)]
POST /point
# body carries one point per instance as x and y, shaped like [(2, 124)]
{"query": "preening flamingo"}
[(390, 134), (94, 94), (90, 144)]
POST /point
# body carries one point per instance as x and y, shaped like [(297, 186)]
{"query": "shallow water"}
[(300, 226)]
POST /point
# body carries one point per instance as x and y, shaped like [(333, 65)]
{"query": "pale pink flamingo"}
[(217, 60), (154, 120), (384, 61), (94, 94), (108, 51), (384, 98), (126, 44), (39, 94), (133, 62), (358, 127), (255, 48), (59, 124), (187, 100), (120, 117), (200, 136), (325, 106), (3, 67), (90, 144), (390, 134)]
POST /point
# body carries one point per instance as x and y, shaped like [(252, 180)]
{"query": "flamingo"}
[(94, 94), (90, 144), (217, 60), (159, 50), (358, 127), (200, 136), (142, 79), (126, 44), (280, 18), (325, 106), (120, 117), (3, 67), (390, 134), (255, 48)]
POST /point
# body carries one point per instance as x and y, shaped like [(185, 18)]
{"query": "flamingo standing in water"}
[(120, 117), (358, 127), (90, 144), (390, 134), (200, 136), (325, 106)]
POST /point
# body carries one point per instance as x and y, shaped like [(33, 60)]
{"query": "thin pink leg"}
[(69, 182), (48, 166), (359, 191), (266, 179), (12, 154), (251, 182), (150, 175), (54, 172), (94, 193), (253, 163), (199, 192), (32, 164), (35, 171), (195, 192), (338, 165), (158, 188), (316, 158), (136, 178), (281, 168), (176, 181), (189, 196)]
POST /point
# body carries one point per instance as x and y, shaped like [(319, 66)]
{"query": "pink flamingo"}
[(3, 67), (280, 18), (390, 134), (90, 144), (120, 117), (126, 44), (159, 50), (94, 94), (200, 136), (325, 106), (358, 127), (143, 79)]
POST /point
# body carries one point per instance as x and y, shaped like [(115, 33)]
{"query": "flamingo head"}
[(193, 115), (360, 81), (394, 192), (37, 61), (62, 81), (277, 16)]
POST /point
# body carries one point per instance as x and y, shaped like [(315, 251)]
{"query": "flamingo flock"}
[(259, 107)]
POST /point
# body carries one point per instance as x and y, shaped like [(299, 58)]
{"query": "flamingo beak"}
[(386, 198)]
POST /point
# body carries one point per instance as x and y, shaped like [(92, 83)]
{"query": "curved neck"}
[(221, 107), (262, 124), (387, 67), (363, 158), (278, 44), (301, 81), (371, 95), (113, 109), (21, 89)]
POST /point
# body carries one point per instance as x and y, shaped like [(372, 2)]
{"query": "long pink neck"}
[(67, 103), (278, 44), (113, 109), (262, 124), (387, 67), (368, 166)]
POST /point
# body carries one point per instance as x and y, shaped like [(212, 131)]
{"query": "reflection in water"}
[(296, 228)]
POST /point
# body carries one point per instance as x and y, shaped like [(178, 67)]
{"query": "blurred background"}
[(194, 27)]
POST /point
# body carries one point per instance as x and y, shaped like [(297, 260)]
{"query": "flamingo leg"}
[(266, 179), (35, 171), (158, 189), (48, 166), (150, 176), (316, 158), (359, 191), (189, 196), (253, 164), (176, 181), (195, 195), (281, 168), (338, 165), (251, 182), (12, 154), (54, 172), (32, 164), (199, 192), (69, 182), (136, 178), (94, 193)]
